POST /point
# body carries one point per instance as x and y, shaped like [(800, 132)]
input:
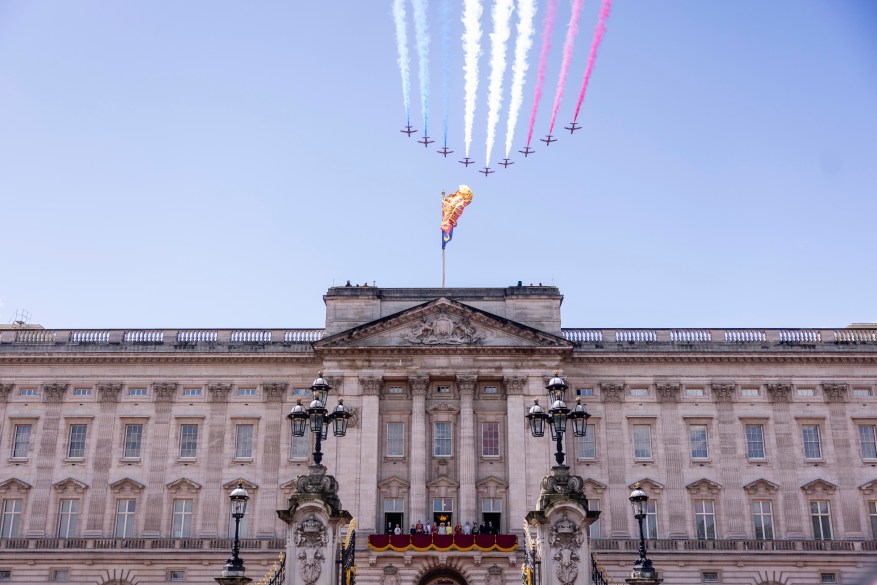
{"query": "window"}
[(868, 441), (639, 392), (395, 439), (812, 444), (650, 527), (394, 505), (133, 440), (749, 392), (587, 445), (68, 514), (395, 390), (28, 392), (82, 392), (295, 391), (442, 439), (705, 519), (862, 393), (642, 442), (806, 392), (10, 524), (188, 441), (494, 505), (136, 391), (244, 529), (490, 439), (243, 442), (176, 575), (299, 448), (76, 446), (443, 389), (5, 575), (442, 505), (20, 441), (182, 521), (699, 443), (694, 392), (584, 392), (828, 578), (61, 575), (594, 529), (820, 514), (489, 390), (762, 517), (872, 512), (191, 391), (125, 510), (755, 441), (250, 391), (710, 577)]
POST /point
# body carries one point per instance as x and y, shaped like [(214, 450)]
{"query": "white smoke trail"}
[(502, 13), (471, 50), (402, 45), (526, 17), (421, 33)]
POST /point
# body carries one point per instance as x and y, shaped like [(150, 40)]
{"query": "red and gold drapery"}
[(443, 542)]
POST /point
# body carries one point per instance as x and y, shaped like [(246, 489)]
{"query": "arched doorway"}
[(442, 576)]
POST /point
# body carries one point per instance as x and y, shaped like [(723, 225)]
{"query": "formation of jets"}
[(527, 151)]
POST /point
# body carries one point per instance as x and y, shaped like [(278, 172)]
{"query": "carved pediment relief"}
[(248, 485), (183, 485), (703, 487), (593, 488), (442, 323), (491, 487), (126, 486), (442, 482), (443, 407), (70, 485), (650, 486), (14, 486), (761, 487), (393, 487), (869, 488), (819, 487)]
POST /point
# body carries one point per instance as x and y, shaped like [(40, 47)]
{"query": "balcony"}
[(443, 542)]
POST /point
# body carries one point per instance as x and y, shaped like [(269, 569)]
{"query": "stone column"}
[(516, 429), (419, 386), (53, 394), (612, 396), (108, 394), (561, 521), (845, 446), (370, 452), (786, 467), (733, 505), (315, 517), (466, 386), (161, 454)]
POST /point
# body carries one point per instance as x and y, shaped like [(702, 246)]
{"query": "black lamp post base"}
[(233, 580), (643, 571)]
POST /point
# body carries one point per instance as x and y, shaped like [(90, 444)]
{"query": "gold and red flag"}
[(452, 208)]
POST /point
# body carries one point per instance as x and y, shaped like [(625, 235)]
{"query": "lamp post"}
[(642, 567), (318, 418), (233, 573), (557, 417)]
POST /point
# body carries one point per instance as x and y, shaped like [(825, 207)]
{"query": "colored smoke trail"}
[(502, 13), (543, 62), (526, 16), (571, 31), (599, 31), (421, 33), (402, 45), (446, 64), (471, 49)]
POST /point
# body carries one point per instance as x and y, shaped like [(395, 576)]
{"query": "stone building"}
[(756, 446)]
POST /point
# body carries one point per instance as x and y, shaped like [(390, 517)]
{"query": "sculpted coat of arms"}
[(566, 540), (310, 538), (443, 329)]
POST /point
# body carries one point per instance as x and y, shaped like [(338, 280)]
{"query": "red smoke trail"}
[(571, 31), (543, 62), (605, 7)]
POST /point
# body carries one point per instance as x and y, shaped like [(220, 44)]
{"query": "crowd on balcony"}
[(445, 528)]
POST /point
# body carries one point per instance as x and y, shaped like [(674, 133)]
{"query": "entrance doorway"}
[(391, 519), (442, 577), (493, 518)]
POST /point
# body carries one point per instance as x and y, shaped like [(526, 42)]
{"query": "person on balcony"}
[(398, 530), (467, 528), (427, 529), (458, 529), (412, 530), (419, 527)]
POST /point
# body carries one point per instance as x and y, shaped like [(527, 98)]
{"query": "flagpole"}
[(443, 268)]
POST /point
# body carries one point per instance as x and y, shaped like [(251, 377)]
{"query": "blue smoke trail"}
[(446, 63), (402, 45), (421, 31)]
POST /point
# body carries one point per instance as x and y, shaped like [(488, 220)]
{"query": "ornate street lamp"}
[(234, 566), (318, 418), (557, 416), (642, 567)]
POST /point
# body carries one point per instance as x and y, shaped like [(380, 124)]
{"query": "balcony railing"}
[(219, 544), (606, 544), (443, 542), (748, 339)]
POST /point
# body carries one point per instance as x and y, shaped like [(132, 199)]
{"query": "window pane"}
[(243, 444), (820, 514), (587, 445), (182, 524), (10, 525), (762, 518), (300, 446), (490, 439), (133, 440), (395, 439), (642, 442), (594, 529), (651, 523), (699, 448), (812, 446), (442, 447), (67, 516), (755, 441), (868, 441), (443, 505), (188, 440), (392, 505), (76, 447), (21, 441), (705, 519), (872, 511), (125, 510)]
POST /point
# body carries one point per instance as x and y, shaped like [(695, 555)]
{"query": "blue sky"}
[(221, 164)]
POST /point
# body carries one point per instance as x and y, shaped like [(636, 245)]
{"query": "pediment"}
[(648, 485), (393, 487), (593, 488), (761, 487), (819, 487), (14, 485), (704, 487), (126, 485), (491, 487), (442, 323), (443, 482), (183, 485), (70, 484), (869, 488), (248, 485)]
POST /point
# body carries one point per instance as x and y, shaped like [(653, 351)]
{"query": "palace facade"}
[(757, 447)]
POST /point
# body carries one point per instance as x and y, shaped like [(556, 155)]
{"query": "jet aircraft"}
[(548, 140), (506, 162), (444, 151), (467, 161), (527, 151), (426, 141), (572, 127), (486, 171), (408, 130)]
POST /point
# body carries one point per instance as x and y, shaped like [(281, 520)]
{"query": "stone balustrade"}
[(139, 543), (852, 546), (748, 339)]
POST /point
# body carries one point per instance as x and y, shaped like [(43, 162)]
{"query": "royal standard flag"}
[(452, 208)]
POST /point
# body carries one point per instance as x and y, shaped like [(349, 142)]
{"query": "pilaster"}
[(466, 389), (516, 433), (108, 395), (612, 395), (674, 450), (162, 450), (843, 436), (370, 451), (787, 463), (419, 386), (53, 395), (733, 503)]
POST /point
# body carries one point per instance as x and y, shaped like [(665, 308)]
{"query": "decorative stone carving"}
[(723, 392), (703, 487), (820, 488), (419, 385), (219, 392), (391, 575), (14, 486), (126, 486), (761, 487), (650, 486), (334, 381), (668, 392), (310, 538), (779, 392), (164, 391), (565, 541), (70, 485), (612, 392), (443, 328), (560, 485), (835, 392), (274, 391), (354, 416), (867, 489), (317, 485), (514, 385), (371, 385), (5, 391), (109, 392), (466, 384), (183, 486), (55, 392)]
